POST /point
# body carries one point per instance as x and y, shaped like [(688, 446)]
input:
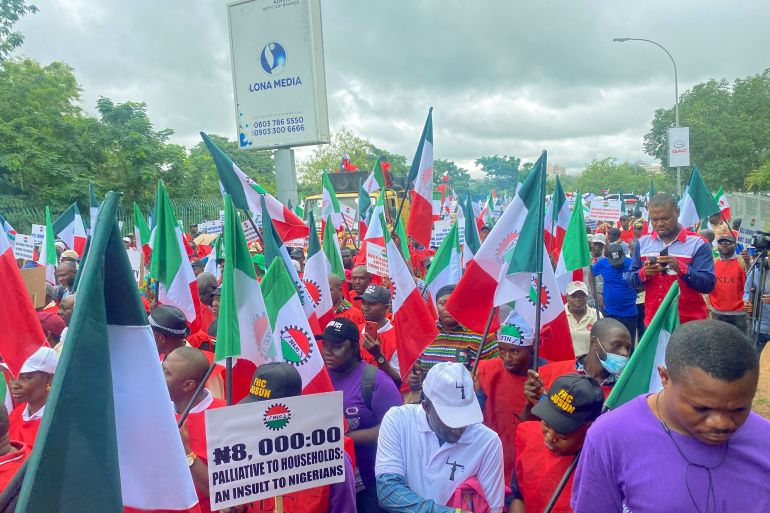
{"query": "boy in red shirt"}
[(726, 300), (545, 449)]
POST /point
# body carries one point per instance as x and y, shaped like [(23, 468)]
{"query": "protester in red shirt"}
[(726, 299), (359, 280), (501, 385), (184, 368), (378, 347), (207, 284), (12, 452), (545, 449), (342, 307), (607, 355), (30, 393)]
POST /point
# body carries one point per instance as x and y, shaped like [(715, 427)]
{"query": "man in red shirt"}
[(12, 453), (184, 368), (501, 385), (359, 280), (726, 299), (545, 449), (342, 307), (378, 347)]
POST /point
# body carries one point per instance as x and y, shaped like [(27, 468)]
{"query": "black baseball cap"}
[(375, 294), (274, 380), (169, 320), (340, 329), (572, 401), (615, 254)]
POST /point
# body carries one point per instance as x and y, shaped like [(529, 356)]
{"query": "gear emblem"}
[(545, 298), (277, 417), (313, 290), (505, 248), (296, 344)]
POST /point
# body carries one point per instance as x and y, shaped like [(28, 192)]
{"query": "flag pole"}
[(539, 248), (562, 484), (202, 384), (400, 207), (256, 230), (348, 229), (229, 378), (484, 338)]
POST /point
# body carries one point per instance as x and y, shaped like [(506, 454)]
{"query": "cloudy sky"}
[(504, 77)]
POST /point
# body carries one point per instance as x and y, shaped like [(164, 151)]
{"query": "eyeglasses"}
[(726, 242)]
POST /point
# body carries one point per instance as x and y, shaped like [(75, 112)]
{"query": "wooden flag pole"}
[(484, 338), (198, 390), (229, 378)]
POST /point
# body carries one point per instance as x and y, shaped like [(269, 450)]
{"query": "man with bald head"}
[(359, 280), (65, 277), (184, 368), (207, 284), (342, 307)]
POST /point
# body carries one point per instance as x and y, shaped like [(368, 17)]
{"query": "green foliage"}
[(608, 174), (459, 178), (328, 157), (10, 12), (729, 131), (501, 171)]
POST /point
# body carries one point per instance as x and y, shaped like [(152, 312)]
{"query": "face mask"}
[(614, 363)]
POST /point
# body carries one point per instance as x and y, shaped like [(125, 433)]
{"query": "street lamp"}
[(676, 95)]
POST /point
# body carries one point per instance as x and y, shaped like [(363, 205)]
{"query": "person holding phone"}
[(378, 335), (672, 253)]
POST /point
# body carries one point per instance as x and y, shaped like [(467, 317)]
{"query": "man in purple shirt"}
[(694, 446), (367, 394)]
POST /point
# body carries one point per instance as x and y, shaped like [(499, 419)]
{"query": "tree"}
[(502, 171), (459, 178), (606, 173), (10, 12), (729, 132)]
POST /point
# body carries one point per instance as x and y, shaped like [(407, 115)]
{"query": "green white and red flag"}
[(331, 249), (724, 205), (472, 239), (47, 256), (413, 321), (69, 227), (10, 233), (574, 256), (22, 334), (697, 201), (108, 439), (330, 205), (376, 180), (142, 233), (246, 194), (93, 208), (487, 216), (170, 266), (446, 266), (421, 175), (317, 271), (373, 244), (557, 218)]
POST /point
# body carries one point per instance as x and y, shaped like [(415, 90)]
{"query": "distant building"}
[(556, 169)]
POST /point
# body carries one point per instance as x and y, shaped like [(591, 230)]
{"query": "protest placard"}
[(273, 447), (38, 233), (604, 210), (24, 247), (746, 233), (136, 259), (440, 230), (297, 243), (376, 259), (249, 231), (34, 280)]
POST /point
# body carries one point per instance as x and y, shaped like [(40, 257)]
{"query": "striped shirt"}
[(449, 344)]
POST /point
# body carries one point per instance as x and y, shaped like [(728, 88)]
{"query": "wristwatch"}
[(380, 360), (191, 458)]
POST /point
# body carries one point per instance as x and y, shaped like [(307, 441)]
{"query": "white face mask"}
[(612, 363)]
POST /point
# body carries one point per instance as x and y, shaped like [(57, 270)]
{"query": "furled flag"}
[(421, 175), (331, 249), (403, 240), (48, 257), (472, 240), (291, 328), (316, 276), (275, 248), (640, 376), (243, 329), (21, 335), (574, 255), (69, 227), (93, 208), (500, 271), (246, 195), (724, 206), (436, 205), (556, 220), (364, 210), (377, 180), (108, 439), (487, 216), (445, 267), (330, 206), (697, 201), (415, 325), (142, 233), (372, 251), (217, 252), (300, 208), (170, 266), (10, 233)]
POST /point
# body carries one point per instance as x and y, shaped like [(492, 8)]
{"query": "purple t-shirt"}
[(384, 397), (629, 464)]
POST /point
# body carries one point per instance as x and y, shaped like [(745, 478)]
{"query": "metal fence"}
[(191, 211), (750, 205)]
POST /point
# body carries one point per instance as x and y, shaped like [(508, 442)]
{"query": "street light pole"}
[(676, 95)]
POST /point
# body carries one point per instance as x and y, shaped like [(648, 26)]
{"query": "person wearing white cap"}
[(580, 316), (30, 393), (501, 384), (426, 451)]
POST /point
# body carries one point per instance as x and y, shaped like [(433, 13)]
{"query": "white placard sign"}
[(376, 259), (136, 259), (274, 447), (278, 73), (297, 243), (679, 147), (745, 234), (249, 232), (604, 210), (38, 232), (440, 231), (24, 247)]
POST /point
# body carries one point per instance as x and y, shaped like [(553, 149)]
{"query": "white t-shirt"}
[(408, 447)]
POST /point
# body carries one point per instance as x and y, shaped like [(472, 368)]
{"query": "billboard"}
[(278, 73), (679, 147)]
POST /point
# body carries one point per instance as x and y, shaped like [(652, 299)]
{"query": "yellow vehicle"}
[(346, 187)]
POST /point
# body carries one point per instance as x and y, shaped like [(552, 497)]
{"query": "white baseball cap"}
[(449, 386), (600, 238), (42, 360), (574, 286)]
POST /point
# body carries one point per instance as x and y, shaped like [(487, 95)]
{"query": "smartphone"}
[(371, 329), (664, 252)]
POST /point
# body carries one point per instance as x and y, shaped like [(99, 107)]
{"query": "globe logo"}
[(273, 58)]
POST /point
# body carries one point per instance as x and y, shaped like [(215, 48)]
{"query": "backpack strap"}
[(367, 384)]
